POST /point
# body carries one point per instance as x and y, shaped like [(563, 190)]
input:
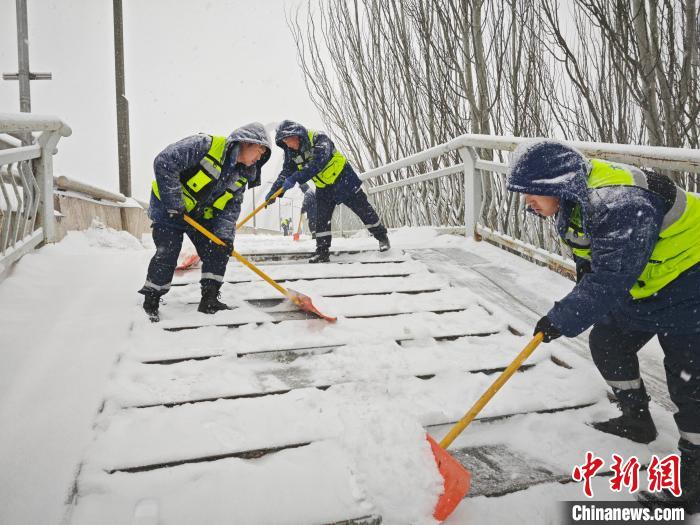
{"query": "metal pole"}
[(25, 105), (122, 103)]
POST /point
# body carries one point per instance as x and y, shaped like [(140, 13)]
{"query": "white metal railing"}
[(27, 146), (461, 185)]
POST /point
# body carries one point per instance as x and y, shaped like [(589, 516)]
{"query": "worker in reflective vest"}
[(311, 155), (204, 176), (635, 237)]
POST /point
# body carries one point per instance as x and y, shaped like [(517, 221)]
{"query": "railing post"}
[(44, 174), (472, 191)]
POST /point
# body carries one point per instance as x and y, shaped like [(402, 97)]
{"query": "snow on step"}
[(155, 343), (258, 289), (134, 437), (139, 384), (236, 273), (309, 485)]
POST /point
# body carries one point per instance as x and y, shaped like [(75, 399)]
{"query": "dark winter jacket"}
[(347, 183), (308, 206), (186, 154), (623, 224)]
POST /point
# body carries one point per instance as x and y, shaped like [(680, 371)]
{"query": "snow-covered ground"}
[(110, 419)]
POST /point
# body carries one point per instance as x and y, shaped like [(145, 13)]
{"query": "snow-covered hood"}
[(289, 128), (548, 167), (254, 133)]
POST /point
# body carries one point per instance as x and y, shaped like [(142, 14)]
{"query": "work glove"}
[(289, 183), (228, 246), (268, 197), (550, 331), (175, 214)]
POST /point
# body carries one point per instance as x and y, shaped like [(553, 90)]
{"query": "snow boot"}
[(321, 256), (151, 301), (635, 423), (690, 484), (384, 244), (210, 303)]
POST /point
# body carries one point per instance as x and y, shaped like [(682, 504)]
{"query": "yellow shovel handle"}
[(256, 210), (299, 225), (495, 387), (189, 220)]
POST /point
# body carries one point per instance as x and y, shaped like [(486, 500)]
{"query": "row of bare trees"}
[(394, 77)]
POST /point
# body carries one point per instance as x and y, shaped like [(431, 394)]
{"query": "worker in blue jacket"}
[(311, 155), (635, 238), (204, 176)]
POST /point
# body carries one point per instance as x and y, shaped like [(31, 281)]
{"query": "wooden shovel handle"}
[(495, 387), (213, 238), (256, 210)]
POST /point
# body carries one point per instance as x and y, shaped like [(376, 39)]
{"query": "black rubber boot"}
[(690, 484), (384, 244), (321, 256), (635, 423), (151, 302), (210, 303)]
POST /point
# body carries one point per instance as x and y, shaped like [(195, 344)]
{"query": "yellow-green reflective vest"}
[(330, 171), (196, 186), (678, 246)]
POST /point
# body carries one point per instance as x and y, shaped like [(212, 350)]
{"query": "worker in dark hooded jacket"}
[(635, 237), (204, 176), (311, 155)]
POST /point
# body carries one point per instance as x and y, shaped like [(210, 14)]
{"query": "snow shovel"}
[(457, 478), (193, 259), (256, 210), (302, 301), (188, 262), (297, 233)]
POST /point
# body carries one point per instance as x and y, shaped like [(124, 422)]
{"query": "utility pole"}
[(122, 103), (23, 74)]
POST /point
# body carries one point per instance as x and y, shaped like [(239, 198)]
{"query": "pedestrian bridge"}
[(263, 415)]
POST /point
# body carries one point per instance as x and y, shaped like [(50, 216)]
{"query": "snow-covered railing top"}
[(457, 185), (683, 159), (26, 182)]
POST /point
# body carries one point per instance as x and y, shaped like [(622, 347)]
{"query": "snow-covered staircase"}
[(262, 415)]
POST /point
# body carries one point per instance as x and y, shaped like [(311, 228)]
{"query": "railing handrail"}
[(29, 122), (682, 159)]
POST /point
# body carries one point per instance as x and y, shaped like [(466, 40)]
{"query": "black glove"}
[(228, 246), (550, 331), (175, 214), (269, 198), (582, 268)]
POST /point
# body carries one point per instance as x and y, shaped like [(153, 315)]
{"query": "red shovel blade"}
[(304, 302), (295, 236), (188, 262), (457, 481)]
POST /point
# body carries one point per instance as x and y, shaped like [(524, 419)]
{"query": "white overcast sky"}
[(191, 66)]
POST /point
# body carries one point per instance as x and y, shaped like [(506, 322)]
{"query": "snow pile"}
[(101, 236), (396, 470)]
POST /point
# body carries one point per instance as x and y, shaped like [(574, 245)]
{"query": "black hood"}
[(289, 128)]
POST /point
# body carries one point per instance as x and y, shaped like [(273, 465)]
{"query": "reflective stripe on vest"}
[(330, 172), (678, 246), (209, 171)]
